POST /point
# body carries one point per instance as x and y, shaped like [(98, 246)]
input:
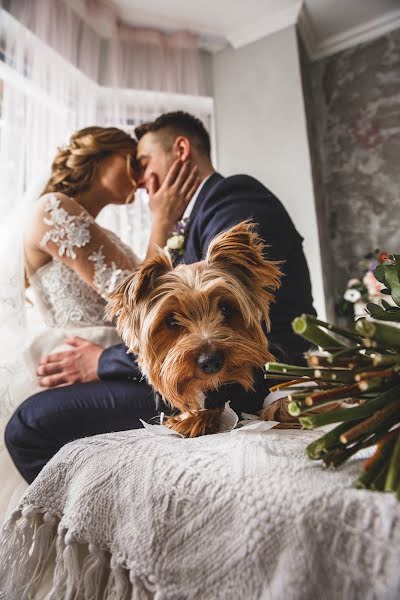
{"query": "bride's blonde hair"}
[(74, 167)]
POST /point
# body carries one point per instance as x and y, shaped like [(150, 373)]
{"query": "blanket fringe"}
[(118, 585), (31, 539), (28, 537), (95, 571)]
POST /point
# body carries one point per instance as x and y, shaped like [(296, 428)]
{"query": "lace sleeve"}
[(69, 234)]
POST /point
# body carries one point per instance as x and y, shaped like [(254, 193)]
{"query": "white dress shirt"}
[(189, 208)]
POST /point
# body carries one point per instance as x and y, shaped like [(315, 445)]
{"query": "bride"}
[(71, 263)]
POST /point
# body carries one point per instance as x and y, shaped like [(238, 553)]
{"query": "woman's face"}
[(116, 177)]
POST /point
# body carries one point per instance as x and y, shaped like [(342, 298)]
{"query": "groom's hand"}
[(78, 365)]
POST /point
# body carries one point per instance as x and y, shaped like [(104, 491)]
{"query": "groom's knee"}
[(26, 437)]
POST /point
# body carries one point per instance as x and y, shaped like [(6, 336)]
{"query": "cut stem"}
[(368, 425), (307, 328), (350, 414), (393, 477)]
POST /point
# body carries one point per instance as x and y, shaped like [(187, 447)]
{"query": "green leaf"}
[(385, 291), (386, 305), (378, 312), (397, 263), (375, 310), (392, 279), (380, 274)]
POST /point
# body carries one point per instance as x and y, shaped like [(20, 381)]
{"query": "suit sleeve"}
[(115, 363)]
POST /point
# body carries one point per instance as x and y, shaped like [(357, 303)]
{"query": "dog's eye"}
[(226, 310), (171, 321)]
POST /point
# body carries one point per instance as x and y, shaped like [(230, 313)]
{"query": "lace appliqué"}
[(64, 299), (67, 231), (106, 277)]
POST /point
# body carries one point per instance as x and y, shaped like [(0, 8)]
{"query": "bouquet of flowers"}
[(359, 291), (356, 383)]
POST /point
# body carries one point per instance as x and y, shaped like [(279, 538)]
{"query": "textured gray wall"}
[(355, 140)]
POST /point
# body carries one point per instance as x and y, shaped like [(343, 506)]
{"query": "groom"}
[(111, 394)]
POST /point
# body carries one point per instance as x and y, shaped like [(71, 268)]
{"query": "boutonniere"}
[(176, 242)]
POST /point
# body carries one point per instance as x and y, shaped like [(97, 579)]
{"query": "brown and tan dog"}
[(197, 328)]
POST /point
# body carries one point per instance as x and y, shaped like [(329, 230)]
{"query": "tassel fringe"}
[(32, 540)]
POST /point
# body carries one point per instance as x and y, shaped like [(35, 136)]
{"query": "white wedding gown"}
[(68, 300)]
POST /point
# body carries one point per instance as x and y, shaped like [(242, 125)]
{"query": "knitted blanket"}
[(236, 515)]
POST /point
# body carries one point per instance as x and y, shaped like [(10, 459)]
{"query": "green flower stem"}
[(385, 334), (340, 454), (393, 477), (323, 375), (289, 370), (327, 442), (378, 484), (321, 397), (371, 373), (307, 328), (350, 414), (346, 333), (300, 404), (385, 360), (379, 462), (369, 425)]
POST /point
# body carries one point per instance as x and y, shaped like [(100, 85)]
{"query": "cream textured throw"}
[(238, 515)]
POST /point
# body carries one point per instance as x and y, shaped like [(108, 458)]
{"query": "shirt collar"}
[(190, 206)]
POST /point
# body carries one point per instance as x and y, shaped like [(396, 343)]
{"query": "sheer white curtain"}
[(58, 74), (44, 99)]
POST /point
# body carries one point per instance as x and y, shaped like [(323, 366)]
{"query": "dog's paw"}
[(193, 424)]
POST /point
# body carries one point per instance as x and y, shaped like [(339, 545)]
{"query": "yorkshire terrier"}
[(198, 328)]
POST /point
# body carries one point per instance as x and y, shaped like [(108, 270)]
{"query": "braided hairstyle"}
[(74, 167)]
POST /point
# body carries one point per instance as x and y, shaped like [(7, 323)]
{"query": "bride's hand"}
[(78, 365), (169, 200)]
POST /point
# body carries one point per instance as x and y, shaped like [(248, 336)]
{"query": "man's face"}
[(153, 158)]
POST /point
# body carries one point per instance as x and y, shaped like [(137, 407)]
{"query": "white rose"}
[(352, 295), (175, 242), (353, 282)]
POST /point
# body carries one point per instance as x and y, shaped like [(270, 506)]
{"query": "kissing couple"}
[(72, 264)]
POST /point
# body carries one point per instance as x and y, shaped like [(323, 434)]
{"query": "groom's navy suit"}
[(50, 419)]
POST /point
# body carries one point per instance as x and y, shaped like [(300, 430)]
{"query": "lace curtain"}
[(58, 74)]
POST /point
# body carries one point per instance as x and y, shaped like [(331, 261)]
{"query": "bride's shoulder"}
[(54, 202), (53, 210)]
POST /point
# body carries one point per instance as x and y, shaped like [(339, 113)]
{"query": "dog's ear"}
[(137, 287), (241, 250)]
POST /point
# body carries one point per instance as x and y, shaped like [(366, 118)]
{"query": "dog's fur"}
[(174, 317)]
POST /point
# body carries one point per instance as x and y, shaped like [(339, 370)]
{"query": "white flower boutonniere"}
[(176, 242)]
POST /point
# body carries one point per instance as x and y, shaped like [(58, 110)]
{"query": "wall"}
[(313, 128), (261, 130), (356, 114)]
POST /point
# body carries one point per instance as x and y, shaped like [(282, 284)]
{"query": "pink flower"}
[(373, 286)]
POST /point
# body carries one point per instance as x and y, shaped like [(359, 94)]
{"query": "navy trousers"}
[(46, 421)]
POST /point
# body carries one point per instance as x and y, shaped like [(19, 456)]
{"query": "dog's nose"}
[(211, 362)]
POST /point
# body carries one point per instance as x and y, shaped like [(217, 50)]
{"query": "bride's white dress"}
[(67, 300)]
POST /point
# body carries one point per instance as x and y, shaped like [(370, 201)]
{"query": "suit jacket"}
[(222, 203)]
